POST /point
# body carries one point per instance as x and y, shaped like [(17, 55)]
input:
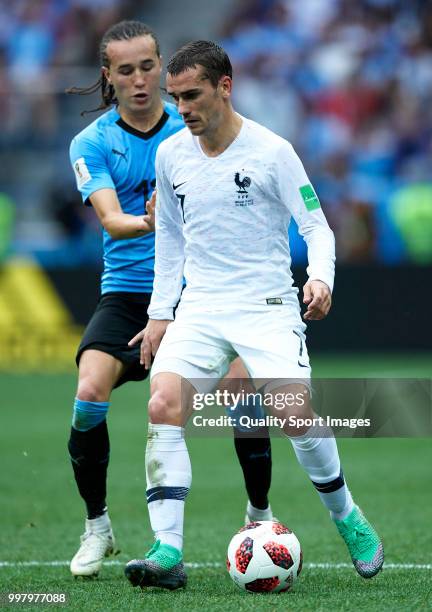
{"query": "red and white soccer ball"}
[(264, 557)]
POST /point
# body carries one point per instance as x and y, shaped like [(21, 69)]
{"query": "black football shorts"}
[(118, 318)]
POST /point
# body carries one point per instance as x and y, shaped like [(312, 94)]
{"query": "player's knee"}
[(164, 407), (291, 401), (300, 411), (90, 390)]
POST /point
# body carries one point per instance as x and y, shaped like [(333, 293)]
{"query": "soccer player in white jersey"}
[(227, 189)]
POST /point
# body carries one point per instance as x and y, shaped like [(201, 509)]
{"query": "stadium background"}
[(349, 83)]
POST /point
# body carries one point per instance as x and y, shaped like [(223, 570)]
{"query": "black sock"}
[(89, 452), (255, 459)]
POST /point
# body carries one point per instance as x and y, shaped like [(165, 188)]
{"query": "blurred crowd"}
[(47, 46), (41, 44), (348, 82)]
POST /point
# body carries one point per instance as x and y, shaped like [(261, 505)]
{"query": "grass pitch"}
[(42, 516)]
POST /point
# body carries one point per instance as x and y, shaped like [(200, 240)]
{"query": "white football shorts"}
[(200, 345)]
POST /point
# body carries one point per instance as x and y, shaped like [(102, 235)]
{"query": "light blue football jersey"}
[(111, 154)]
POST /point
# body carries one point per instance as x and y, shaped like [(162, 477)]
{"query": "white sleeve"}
[(299, 196), (169, 248)]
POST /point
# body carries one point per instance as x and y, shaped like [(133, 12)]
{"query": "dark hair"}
[(124, 30), (209, 55)]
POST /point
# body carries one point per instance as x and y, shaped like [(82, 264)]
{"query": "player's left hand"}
[(149, 218), (150, 338), (317, 297)]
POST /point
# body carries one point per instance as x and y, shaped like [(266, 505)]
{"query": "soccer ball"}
[(264, 557)]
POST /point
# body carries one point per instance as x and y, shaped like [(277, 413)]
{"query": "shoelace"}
[(355, 539), (161, 557), (88, 542), (153, 549)]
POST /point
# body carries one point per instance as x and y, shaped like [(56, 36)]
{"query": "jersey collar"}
[(144, 135)]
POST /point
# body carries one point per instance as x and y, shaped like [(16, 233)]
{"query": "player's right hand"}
[(149, 218), (150, 338)]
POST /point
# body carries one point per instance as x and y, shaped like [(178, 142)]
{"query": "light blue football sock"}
[(87, 415)]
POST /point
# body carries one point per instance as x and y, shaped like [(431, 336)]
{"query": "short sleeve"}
[(90, 167)]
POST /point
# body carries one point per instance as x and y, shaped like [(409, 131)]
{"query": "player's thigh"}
[(171, 399), (271, 344), (194, 349), (237, 379), (273, 348), (98, 373)]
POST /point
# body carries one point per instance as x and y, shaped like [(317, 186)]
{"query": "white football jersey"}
[(222, 222)]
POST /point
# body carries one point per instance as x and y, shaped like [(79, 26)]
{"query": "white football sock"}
[(255, 514), (101, 524), (320, 458), (169, 476)]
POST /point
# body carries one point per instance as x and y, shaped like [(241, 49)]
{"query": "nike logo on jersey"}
[(119, 153), (179, 185)]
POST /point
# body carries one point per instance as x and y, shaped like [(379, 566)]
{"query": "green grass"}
[(42, 516)]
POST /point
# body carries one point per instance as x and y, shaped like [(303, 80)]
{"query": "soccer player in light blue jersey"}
[(114, 164)]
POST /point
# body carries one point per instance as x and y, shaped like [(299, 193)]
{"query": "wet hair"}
[(209, 55), (124, 30)]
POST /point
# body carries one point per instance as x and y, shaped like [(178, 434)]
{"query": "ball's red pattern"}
[(289, 582), (278, 528), (262, 585), (253, 525), (279, 554), (228, 564), (243, 555)]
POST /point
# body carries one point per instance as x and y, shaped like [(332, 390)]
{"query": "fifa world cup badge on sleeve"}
[(82, 173), (310, 198)]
